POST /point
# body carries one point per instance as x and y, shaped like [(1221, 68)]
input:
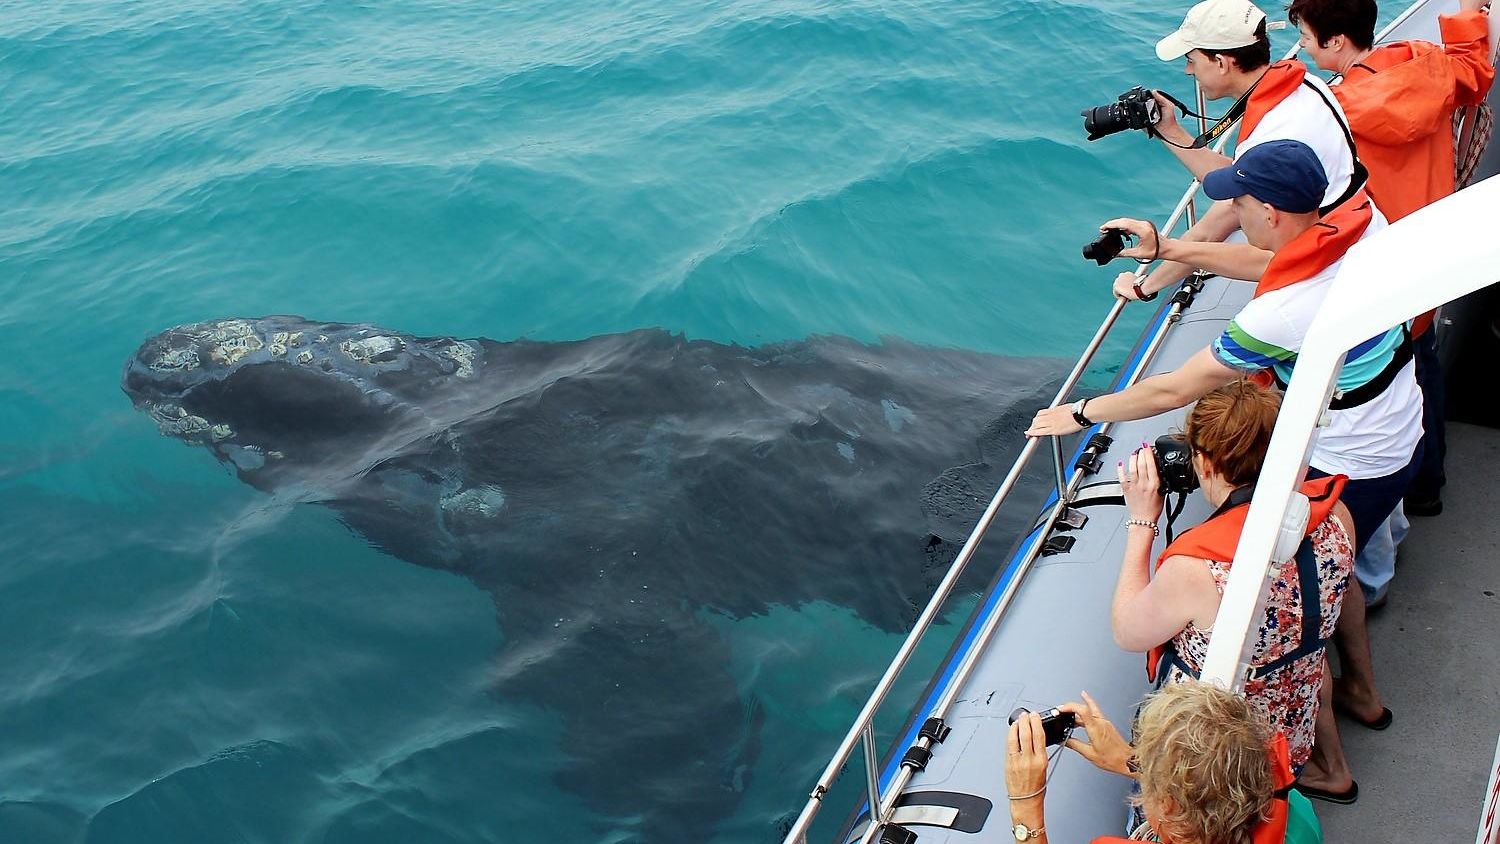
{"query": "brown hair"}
[(1204, 767), (1353, 19), (1252, 56), (1231, 426)]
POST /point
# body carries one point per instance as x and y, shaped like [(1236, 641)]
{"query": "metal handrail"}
[(862, 730)]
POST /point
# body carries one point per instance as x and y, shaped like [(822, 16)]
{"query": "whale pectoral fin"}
[(658, 736)]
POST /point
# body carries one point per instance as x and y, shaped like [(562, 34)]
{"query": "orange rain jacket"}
[(1400, 102)]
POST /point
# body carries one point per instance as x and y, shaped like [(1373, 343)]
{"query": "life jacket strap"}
[(1371, 389), (1312, 623)]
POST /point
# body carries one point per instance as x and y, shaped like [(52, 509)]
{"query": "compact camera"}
[(1106, 247), (1055, 723), (1174, 464), (1135, 109)]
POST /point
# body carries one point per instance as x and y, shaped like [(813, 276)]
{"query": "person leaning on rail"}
[(1228, 53), (1400, 99), (1375, 420), (1209, 767), (1169, 615)]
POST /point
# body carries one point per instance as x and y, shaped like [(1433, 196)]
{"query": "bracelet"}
[(1145, 524), (1031, 795)]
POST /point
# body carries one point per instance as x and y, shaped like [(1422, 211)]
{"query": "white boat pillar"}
[(1434, 256)]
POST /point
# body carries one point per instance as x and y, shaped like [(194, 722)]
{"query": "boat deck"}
[(1437, 659)]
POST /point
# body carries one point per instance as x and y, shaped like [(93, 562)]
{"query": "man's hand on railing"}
[(1054, 422), (1126, 287)]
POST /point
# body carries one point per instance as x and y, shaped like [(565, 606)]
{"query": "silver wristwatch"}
[(1026, 833)]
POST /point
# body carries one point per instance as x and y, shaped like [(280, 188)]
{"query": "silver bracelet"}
[(1145, 524), (1031, 795)]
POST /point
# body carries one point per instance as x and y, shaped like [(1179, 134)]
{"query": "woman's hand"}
[(1106, 748), (1141, 485), (1026, 769)]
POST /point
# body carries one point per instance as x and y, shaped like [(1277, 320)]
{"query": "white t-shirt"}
[(1304, 116), (1374, 439)]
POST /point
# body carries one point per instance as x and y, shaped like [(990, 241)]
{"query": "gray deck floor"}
[(1437, 660)]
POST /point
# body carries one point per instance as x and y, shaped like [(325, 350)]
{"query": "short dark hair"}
[(1251, 56), (1353, 19)]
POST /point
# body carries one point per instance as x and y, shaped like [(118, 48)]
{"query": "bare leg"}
[(1327, 768), (1356, 692)]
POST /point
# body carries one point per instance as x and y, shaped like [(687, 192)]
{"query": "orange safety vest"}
[(1272, 828), (1219, 536), (1317, 248)]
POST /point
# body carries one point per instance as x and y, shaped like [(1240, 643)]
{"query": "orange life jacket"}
[(1218, 537), (1317, 248), (1278, 82), (1272, 828)]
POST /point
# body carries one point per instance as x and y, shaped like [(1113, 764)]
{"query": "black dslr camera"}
[(1055, 723), (1135, 109), (1174, 464), (1107, 247)]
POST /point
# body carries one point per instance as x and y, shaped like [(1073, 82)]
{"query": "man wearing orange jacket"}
[(1400, 99)]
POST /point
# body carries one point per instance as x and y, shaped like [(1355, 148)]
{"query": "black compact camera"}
[(1174, 464), (1055, 723), (1135, 109), (1107, 247)]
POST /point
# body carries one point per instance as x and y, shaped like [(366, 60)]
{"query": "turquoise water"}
[(181, 663)]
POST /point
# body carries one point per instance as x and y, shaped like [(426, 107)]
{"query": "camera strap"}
[(1220, 126), (1173, 513)]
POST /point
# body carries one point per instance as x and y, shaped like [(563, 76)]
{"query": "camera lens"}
[(1100, 121)]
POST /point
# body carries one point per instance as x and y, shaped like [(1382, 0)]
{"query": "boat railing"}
[(882, 800), (1066, 484)]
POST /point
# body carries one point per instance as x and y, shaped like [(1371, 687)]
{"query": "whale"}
[(612, 495)]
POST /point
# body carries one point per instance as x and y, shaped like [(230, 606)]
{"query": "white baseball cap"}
[(1212, 25)]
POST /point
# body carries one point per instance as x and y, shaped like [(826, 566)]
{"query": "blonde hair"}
[(1232, 427), (1203, 761)]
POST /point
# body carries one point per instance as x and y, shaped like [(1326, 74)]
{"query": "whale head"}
[(276, 392)]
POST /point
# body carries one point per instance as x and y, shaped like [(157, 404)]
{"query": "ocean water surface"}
[(185, 659)]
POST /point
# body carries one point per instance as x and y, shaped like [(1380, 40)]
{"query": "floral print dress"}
[(1289, 696)]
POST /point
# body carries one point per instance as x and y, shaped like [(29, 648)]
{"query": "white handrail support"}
[(1434, 256)]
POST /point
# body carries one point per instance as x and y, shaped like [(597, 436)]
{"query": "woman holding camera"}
[(1209, 770), (1171, 615)]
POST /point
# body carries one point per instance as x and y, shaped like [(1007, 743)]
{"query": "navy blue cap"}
[(1285, 175)]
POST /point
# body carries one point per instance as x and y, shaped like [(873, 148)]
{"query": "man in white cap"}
[(1226, 49)]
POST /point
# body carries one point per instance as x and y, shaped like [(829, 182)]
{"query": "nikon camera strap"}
[(1360, 176)]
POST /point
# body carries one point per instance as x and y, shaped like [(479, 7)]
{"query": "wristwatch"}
[(1022, 832), (1078, 414), (1141, 294)]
